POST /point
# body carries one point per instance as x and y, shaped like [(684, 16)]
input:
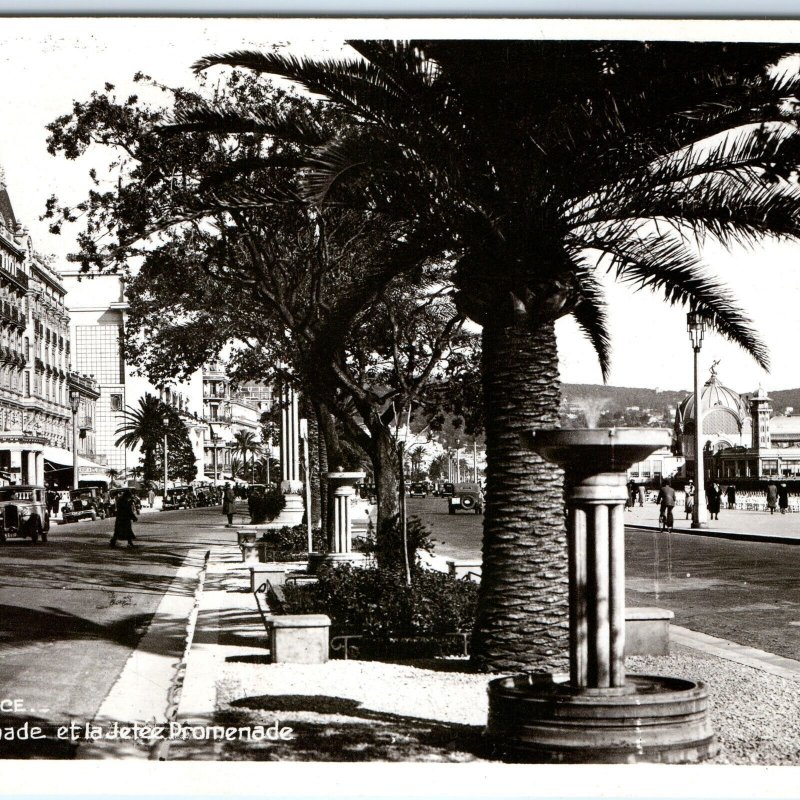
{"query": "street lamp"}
[(165, 421), (696, 326), (74, 404)]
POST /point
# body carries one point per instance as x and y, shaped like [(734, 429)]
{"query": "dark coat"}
[(713, 495), (772, 495), (783, 496), (123, 529), (228, 501)]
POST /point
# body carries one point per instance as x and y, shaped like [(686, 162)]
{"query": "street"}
[(72, 610), (748, 592)]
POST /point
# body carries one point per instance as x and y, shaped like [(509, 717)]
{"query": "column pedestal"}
[(344, 487), (597, 713)]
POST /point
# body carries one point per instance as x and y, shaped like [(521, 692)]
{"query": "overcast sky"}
[(46, 63)]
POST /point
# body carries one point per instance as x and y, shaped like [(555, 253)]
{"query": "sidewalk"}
[(753, 526), (424, 710)]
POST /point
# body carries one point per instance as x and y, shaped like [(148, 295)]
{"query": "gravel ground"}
[(436, 710)]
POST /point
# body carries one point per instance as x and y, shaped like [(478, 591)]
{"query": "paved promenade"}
[(733, 524)]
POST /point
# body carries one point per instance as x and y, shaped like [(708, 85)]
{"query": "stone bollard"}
[(247, 544)]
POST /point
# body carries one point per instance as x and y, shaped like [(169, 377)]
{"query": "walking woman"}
[(123, 529), (689, 502), (714, 495)]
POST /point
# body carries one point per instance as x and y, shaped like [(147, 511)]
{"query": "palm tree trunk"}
[(384, 463), (333, 457), (522, 617)]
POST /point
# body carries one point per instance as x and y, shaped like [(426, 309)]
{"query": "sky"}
[(45, 64)]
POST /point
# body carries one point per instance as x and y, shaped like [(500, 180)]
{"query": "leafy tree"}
[(545, 164)]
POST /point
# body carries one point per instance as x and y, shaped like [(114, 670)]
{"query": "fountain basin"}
[(542, 718)]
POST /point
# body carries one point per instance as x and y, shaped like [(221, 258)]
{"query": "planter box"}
[(299, 639), (262, 574)]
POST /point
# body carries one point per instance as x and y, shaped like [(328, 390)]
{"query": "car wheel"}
[(451, 509), (36, 529), (2, 538), (46, 523), (94, 516), (468, 502)]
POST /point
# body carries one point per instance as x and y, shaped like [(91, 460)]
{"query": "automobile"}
[(417, 490), (179, 497), (114, 494), (447, 490), (23, 513), (468, 496), (86, 503)]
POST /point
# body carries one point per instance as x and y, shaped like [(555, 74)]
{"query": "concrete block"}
[(300, 638), (260, 574), (647, 631)]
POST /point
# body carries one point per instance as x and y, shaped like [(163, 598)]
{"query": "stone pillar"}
[(39, 469), (16, 463), (30, 467), (291, 486)]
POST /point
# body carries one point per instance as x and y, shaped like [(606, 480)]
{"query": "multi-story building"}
[(35, 415), (97, 308)]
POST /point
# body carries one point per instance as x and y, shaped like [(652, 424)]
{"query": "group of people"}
[(777, 496)]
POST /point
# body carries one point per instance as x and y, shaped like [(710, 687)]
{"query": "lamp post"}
[(165, 422), (74, 404), (696, 326)]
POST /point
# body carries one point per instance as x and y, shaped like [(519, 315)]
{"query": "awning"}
[(62, 457)]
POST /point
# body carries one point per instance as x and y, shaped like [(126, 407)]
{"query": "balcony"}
[(20, 279), (86, 424)]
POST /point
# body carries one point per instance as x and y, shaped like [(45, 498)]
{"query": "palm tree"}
[(113, 474), (236, 467), (541, 166), (246, 444), (143, 427)]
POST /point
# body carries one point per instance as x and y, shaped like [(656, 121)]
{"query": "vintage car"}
[(23, 513), (179, 497), (468, 496), (447, 489), (86, 503), (417, 490)]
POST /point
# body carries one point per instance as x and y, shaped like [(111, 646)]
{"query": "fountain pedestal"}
[(597, 713), (344, 487)]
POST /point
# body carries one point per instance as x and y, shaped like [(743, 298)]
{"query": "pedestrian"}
[(126, 515), (666, 497), (714, 500), (151, 496), (772, 496), (731, 496), (689, 502), (783, 498), (228, 503), (52, 501), (641, 495), (631, 494)]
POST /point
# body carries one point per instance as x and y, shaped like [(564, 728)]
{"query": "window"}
[(99, 352), (116, 402), (27, 384)]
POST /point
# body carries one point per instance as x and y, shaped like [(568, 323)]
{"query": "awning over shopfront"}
[(58, 459)]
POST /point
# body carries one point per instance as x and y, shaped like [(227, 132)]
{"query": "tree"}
[(246, 444), (545, 164), (299, 286), (144, 427)]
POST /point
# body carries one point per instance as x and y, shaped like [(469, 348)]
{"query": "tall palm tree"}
[(543, 165), (143, 427), (246, 444)]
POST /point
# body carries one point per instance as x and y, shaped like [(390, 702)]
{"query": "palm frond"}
[(591, 315), (665, 265)]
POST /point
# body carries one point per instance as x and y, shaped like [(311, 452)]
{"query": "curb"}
[(717, 534)]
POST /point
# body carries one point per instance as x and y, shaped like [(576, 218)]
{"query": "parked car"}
[(417, 490), (23, 513), (467, 496), (179, 497), (86, 503), (447, 490)]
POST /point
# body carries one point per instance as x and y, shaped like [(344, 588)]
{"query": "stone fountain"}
[(598, 713)]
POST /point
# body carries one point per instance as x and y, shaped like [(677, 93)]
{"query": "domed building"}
[(726, 420), (741, 437)]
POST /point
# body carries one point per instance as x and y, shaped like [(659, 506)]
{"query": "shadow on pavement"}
[(335, 729)]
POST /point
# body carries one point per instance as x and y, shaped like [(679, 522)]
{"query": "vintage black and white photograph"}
[(383, 391)]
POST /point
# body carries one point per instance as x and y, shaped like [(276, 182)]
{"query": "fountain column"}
[(597, 713)]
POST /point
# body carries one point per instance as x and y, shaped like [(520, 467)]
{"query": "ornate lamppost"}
[(74, 404), (696, 326)]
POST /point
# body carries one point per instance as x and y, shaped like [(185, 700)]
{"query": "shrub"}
[(388, 549), (265, 507), (290, 543), (376, 602)]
